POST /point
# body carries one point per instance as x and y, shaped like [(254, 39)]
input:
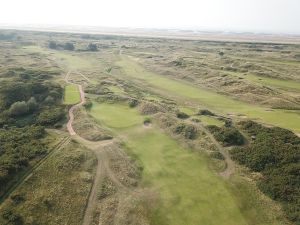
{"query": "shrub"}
[(275, 152), (69, 46), (92, 47), (32, 104), (52, 45), (133, 103), (148, 108), (205, 112), (182, 115), (18, 109), (50, 116), (227, 135), (188, 131)]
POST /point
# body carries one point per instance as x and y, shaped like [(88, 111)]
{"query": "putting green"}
[(116, 116), (223, 104), (72, 95)]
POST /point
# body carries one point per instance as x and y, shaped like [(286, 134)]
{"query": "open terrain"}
[(152, 130)]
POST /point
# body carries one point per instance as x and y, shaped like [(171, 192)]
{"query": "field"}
[(72, 95), (154, 140)]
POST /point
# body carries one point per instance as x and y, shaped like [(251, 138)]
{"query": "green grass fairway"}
[(116, 116), (282, 118), (72, 95), (283, 84), (190, 192)]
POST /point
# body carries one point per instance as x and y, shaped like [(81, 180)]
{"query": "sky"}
[(269, 16)]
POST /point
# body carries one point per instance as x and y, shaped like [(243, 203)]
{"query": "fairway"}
[(72, 95), (283, 84), (282, 118), (190, 192)]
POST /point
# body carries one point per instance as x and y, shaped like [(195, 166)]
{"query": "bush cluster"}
[(275, 152), (227, 135)]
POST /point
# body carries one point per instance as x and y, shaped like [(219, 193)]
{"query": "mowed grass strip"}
[(277, 83), (72, 95), (189, 191), (282, 118)]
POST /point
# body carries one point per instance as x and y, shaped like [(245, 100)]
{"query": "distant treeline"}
[(70, 46)]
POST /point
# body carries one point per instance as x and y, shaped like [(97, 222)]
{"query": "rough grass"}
[(72, 95), (57, 191), (190, 192), (70, 59), (282, 118)]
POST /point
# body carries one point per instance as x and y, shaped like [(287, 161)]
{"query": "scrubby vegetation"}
[(227, 135), (19, 147), (28, 104), (275, 152)]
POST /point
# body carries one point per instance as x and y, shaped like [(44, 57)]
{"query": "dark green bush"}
[(227, 135), (205, 112), (188, 131), (182, 115), (275, 152)]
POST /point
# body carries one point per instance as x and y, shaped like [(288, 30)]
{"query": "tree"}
[(52, 45), (32, 104), (92, 47), (18, 109), (221, 53), (69, 46)]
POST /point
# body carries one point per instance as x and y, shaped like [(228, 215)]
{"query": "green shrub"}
[(187, 130), (50, 116), (133, 103), (18, 109), (182, 115), (275, 152), (227, 135), (205, 112)]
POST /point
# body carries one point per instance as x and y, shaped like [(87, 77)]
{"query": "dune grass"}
[(72, 95), (190, 192), (69, 58), (56, 192), (221, 103)]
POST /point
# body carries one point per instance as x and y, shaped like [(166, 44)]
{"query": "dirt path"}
[(71, 110)]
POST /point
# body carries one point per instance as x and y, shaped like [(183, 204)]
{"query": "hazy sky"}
[(230, 15)]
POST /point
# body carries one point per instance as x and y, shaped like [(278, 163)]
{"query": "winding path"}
[(100, 149)]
